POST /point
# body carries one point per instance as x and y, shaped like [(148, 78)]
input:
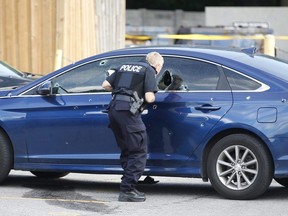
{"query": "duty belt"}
[(122, 97)]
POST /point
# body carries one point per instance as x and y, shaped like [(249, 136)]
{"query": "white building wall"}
[(276, 17)]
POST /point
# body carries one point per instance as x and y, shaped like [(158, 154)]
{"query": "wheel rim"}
[(237, 167)]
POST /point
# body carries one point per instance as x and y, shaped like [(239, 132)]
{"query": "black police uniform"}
[(129, 129)]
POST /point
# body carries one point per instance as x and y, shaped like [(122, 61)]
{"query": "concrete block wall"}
[(169, 21)]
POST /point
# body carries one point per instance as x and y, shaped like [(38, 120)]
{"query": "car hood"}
[(11, 82), (4, 91)]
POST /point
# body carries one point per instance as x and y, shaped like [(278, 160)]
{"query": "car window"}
[(190, 74), (240, 82), (86, 78), (83, 79), (274, 66)]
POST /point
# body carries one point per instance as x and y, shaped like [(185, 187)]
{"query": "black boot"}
[(148, 180), (131, 196)]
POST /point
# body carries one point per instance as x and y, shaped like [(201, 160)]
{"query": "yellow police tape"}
[(281, 37), (138, 37), (218, 37), (210, 37), (202, 37)]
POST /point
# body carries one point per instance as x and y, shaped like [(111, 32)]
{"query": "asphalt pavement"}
[(88, 194)]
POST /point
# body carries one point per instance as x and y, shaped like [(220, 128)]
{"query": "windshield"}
[(8, 71)]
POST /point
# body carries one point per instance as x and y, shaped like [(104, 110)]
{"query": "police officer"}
[(130, 84)]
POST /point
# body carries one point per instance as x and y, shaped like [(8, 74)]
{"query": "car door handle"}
[(207, 108), (95, 112)]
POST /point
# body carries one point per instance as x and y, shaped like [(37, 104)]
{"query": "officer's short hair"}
[(154, 58)]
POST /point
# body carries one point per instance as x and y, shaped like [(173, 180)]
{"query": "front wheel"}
[(6, 156), (239, 167)]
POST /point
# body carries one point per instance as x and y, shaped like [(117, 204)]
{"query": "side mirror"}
[(45, 88), (165, 80)]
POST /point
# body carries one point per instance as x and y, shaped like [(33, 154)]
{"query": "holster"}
[(135, 102)]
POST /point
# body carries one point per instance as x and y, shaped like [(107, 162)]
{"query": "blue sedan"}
[(219, 115)]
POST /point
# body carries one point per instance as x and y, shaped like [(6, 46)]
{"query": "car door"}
[(71, 125), (185, 112)]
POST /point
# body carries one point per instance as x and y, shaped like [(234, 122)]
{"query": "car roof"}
[(224, 56), (184, 50), (232, 58)]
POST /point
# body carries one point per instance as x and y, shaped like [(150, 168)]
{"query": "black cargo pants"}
[(131, 137)]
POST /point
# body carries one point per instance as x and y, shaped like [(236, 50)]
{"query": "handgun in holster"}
[(136, 103)]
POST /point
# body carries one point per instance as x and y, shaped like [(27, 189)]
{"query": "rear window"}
[(269, 64), (240, 82)]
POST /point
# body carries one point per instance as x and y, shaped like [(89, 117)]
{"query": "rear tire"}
[(49, 175), (239, 167), (6, 156)]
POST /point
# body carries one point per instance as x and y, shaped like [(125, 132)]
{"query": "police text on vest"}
[(131, 68)]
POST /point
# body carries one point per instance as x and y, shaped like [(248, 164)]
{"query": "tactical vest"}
[(129, 78)]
